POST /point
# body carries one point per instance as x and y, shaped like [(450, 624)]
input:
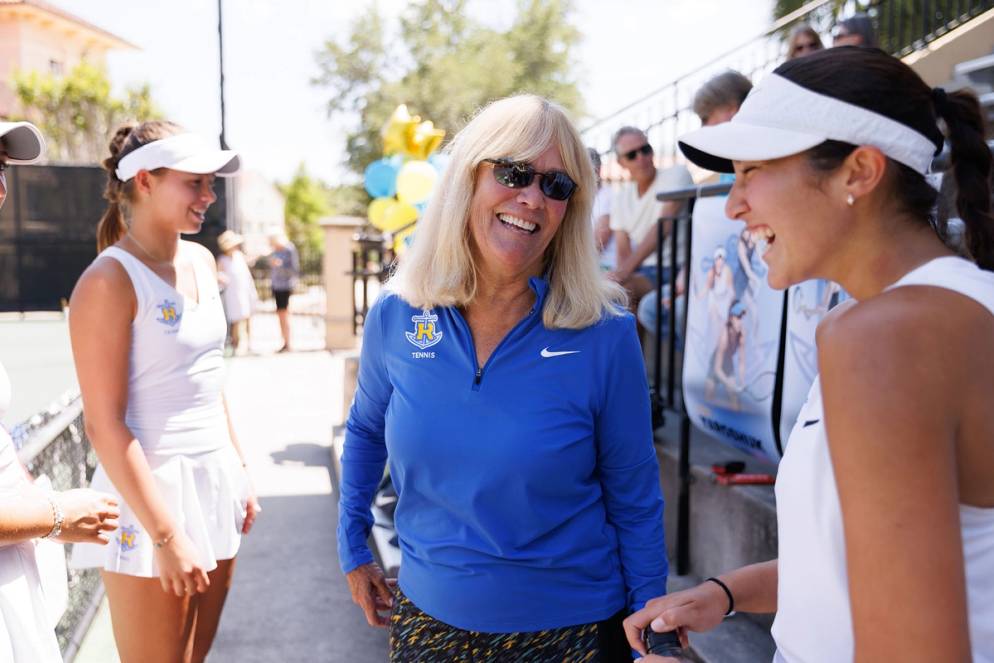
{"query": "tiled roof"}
[(61, 13)]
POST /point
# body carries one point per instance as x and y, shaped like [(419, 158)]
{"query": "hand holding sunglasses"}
[(555, 184)]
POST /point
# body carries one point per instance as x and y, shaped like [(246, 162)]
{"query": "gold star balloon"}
[(425, 140), (397, 130), (406, 134)]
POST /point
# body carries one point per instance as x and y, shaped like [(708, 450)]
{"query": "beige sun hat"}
[(229, 239)]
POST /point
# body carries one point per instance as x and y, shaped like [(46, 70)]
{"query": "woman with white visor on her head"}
[(28, 512), (148, 332), (885, 495)]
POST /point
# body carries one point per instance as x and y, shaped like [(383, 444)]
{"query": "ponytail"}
[(971, 164), (112, 226)]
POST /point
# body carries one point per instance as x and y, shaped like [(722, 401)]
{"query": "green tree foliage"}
[(444, 65), (306, 203), (77, 112)]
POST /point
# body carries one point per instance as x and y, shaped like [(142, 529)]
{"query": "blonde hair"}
[(439, 270)]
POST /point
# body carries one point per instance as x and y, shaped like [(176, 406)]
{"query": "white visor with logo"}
[(188, 153), (21, 141), (780, 118)]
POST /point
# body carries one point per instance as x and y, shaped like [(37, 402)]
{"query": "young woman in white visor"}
[(885, 495), (148, 331)]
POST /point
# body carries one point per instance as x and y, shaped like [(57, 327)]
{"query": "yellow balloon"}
[(399, 243), (415, 182), (398, 130), (397, 216), (377, 211)]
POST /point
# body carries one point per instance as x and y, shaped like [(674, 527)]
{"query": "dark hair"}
[(873, 80), (127, 139), (799, 30), (729, 88), (862, 25), (595, 160)]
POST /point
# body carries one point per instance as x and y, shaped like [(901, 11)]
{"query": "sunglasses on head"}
[(554, 184), (631, 154)]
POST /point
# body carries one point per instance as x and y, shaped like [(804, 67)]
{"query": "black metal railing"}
[(54, 444), (372, 258), (905, 26)]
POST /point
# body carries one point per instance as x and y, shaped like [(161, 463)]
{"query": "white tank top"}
[(813, 622), (176, 371)]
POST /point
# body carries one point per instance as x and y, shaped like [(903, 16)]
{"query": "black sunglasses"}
[(631, 154), (555, 184)]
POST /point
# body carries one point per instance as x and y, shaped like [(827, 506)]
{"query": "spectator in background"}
[(240, 297), (284, 265), (716, 101), (802, 41), (857, 30), (635, 211), (29, 513), (601, 216)]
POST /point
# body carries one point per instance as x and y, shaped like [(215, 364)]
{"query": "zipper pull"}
[(479, 375)]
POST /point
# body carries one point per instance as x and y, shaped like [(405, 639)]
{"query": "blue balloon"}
[(421, 207), (381, 178), (439, 160)]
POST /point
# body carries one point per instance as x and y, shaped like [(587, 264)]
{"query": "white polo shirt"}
[(637, 215)]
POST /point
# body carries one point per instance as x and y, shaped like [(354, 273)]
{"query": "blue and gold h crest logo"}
[(425, 334), (169, 315)]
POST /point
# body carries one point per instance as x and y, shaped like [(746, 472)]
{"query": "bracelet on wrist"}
[(57, 518), (728, 593), (163, 541)]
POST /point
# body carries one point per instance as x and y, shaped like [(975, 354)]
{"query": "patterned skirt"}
[(416, 637)]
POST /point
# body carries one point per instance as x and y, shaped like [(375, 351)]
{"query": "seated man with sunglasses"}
[(635, 210)]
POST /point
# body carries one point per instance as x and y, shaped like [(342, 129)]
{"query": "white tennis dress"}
[(813, 622), (27, 634), (175, 411)]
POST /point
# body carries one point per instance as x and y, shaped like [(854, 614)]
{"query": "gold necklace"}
[(147, 254)]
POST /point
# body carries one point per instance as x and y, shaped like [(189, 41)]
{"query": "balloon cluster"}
[(402, 181)]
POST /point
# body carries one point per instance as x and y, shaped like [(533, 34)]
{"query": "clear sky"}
[(276, 117)]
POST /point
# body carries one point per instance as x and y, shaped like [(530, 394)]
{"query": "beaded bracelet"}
[(162, 542), (57, 518)]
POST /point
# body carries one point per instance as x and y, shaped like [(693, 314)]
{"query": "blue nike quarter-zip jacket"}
[(528, 488)]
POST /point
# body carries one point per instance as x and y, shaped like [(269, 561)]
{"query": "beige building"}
[(258, 208), (37, 36)]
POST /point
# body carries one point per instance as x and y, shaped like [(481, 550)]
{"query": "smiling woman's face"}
[(510, 229), (790, 215)]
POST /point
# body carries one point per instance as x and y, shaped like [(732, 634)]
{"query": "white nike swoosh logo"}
[(548, 353)]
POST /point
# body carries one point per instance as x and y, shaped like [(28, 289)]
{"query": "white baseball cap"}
[(780, 118), (22, 142), (187, 152)]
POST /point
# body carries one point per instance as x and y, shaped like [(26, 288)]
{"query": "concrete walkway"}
[(289, 601)]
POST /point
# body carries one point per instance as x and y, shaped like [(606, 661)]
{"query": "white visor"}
[(188, 153), (780, 118), (21, 141)]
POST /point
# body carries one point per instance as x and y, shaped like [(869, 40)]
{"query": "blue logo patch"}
[(170, 316), (425, 334)]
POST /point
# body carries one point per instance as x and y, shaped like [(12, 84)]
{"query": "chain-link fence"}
[(54, 444)]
